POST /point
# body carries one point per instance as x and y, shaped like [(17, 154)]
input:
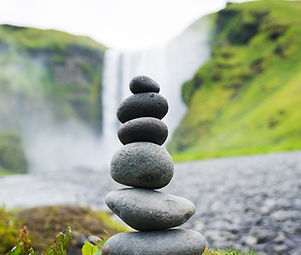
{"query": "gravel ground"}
[(241, 202)]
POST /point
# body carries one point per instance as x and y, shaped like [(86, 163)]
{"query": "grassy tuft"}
[(228, 252)]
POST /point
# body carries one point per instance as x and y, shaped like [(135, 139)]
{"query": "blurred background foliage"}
[(45, 75), (48, 68), (12, 155), (245, 99)]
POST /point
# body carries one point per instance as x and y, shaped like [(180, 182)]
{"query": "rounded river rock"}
[(142, 105), (145, 209), (141, 84), (166, 242), (142, 165), (145, 129)]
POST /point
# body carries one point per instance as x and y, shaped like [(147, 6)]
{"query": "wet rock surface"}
[(164, 242), (243, 202), (145, 209)]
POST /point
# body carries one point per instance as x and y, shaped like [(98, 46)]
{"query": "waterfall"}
[(73, 145), (111, 99), (170, 65)]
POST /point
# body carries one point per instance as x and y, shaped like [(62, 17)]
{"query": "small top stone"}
[(142, 84)]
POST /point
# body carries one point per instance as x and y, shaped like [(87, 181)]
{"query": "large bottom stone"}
[(165, 242), (146, 210)]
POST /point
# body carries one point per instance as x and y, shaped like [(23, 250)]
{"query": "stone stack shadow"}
[(145, 166)]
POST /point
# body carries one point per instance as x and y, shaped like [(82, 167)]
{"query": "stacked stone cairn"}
[(145, 166)]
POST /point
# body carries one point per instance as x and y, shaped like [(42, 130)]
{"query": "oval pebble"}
[(142, 84), (142, 105), (143, 165), (145, 209), (165, 242), (145, 129)]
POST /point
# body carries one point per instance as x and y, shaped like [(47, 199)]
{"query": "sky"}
[(119, 24)]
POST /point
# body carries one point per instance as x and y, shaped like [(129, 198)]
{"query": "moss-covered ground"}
[(228, 252), (247, 98), (44, 223)]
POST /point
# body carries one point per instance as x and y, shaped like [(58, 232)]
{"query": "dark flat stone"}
[(145, 129), (142, 84), (146, 209), (142, 105), (165, 242), (143, 165)]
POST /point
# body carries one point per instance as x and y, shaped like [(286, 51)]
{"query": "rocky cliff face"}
[(49, 77), (246, 98)]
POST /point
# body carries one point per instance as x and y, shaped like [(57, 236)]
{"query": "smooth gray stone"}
[(145, 129), (142, 84), (145, 209), (142, 165), (142, 105), (165, 242)]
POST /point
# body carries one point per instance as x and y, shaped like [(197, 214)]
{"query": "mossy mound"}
[(44, 223), (12, 156), (9, 230), (246, 98)]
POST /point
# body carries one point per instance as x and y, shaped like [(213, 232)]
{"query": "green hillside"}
[(50, 69), (247, 97), (48, 77)]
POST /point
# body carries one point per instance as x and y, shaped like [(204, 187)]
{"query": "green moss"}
[(248, 95), (12, 157), (9, 230), (44, 223), (106, 218), (228, 252)]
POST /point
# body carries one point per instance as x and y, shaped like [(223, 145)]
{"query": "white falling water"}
[(111, 100), (170, 65)]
